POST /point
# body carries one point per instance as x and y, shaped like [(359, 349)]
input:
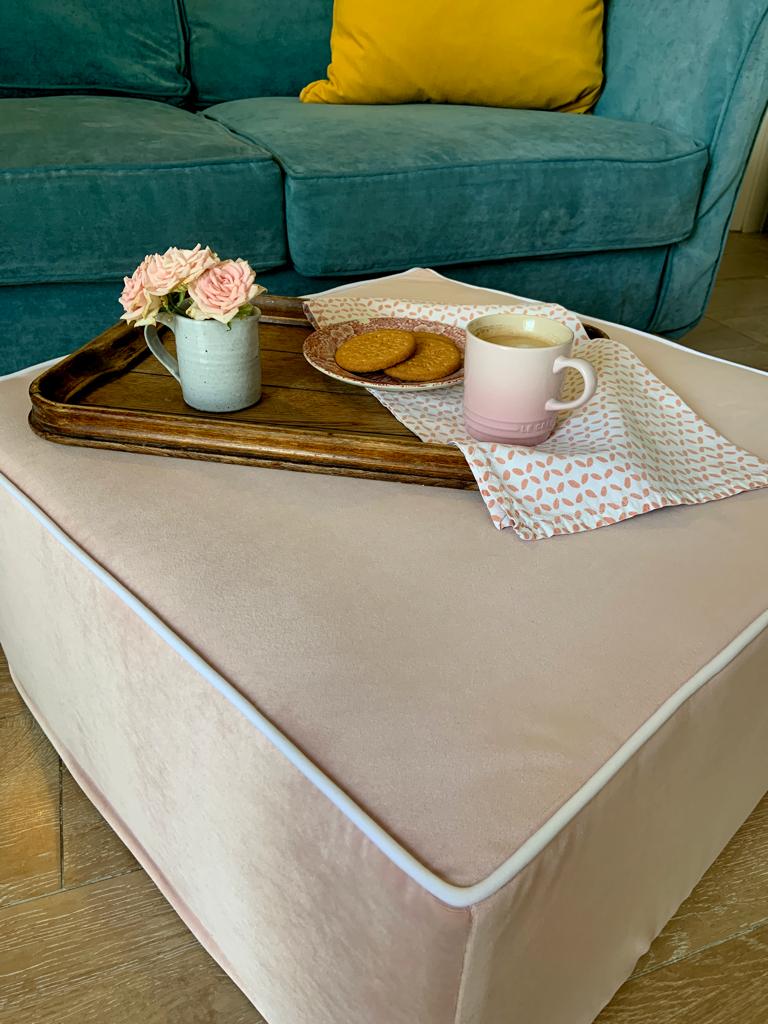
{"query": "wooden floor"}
[(85, 937)]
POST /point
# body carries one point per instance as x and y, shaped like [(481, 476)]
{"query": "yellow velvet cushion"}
[(540, 54)]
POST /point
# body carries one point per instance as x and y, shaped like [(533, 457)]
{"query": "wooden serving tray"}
[(113, 393)]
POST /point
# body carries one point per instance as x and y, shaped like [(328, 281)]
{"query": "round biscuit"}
[(375, 350), (436, 356)]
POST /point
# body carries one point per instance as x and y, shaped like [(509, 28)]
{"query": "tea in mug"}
[(511, 339)]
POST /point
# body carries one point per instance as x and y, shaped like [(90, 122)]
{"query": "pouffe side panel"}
[(592, 902), (310, 919)]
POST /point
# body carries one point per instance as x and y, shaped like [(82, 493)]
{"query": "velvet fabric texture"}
[(94, 183), (239, 48), (349, 939), (459, 751), (698, 67), (42, 321), (230, 835), (542, 56), (51, 46), (380, 188), (682, 78)]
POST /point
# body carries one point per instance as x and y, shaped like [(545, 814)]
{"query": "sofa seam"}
[(248, 139), (118, 169), (181, 66), (449, 169), (11, 92), (457, 260), (506, 164), (184, 48), (661, 286)]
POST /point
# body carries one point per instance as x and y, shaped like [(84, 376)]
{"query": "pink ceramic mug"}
[(513, 371)]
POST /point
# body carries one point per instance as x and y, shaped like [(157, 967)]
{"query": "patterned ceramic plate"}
[(320, 349)]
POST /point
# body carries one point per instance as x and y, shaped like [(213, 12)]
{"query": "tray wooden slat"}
[(112, 393)]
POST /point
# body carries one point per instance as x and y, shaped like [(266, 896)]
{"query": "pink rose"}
[(191, 263), (219, 292), (176, 268), (139, 305)]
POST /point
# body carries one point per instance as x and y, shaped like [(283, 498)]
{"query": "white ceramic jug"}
[(218, 367)]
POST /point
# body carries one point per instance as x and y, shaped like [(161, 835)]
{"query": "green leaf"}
[(245, 311)]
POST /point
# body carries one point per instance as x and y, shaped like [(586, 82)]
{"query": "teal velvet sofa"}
[(125, 128)]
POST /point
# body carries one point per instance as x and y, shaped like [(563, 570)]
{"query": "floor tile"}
[(710, 335), (755, 327), (736, 323), (743, 264), (747, 296)]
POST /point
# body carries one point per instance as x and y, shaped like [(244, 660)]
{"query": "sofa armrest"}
[(675, 63), (699, 68)]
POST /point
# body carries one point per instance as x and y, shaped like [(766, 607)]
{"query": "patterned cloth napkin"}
[(634, 448)]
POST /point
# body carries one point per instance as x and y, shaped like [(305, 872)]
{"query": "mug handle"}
[(158, 349), (590, 383)]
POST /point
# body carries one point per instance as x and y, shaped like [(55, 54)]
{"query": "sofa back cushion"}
[(242, 48), (92, 46)]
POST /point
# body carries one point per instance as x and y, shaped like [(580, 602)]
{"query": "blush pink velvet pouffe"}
[(390, 765)]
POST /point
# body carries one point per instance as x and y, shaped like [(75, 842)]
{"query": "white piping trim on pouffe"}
[(453, 895)]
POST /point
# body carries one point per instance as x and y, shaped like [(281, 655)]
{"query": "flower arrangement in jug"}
[(193, 283)]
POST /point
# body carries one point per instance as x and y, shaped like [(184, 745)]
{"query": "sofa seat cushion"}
[(376, 188), (89, 184)]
